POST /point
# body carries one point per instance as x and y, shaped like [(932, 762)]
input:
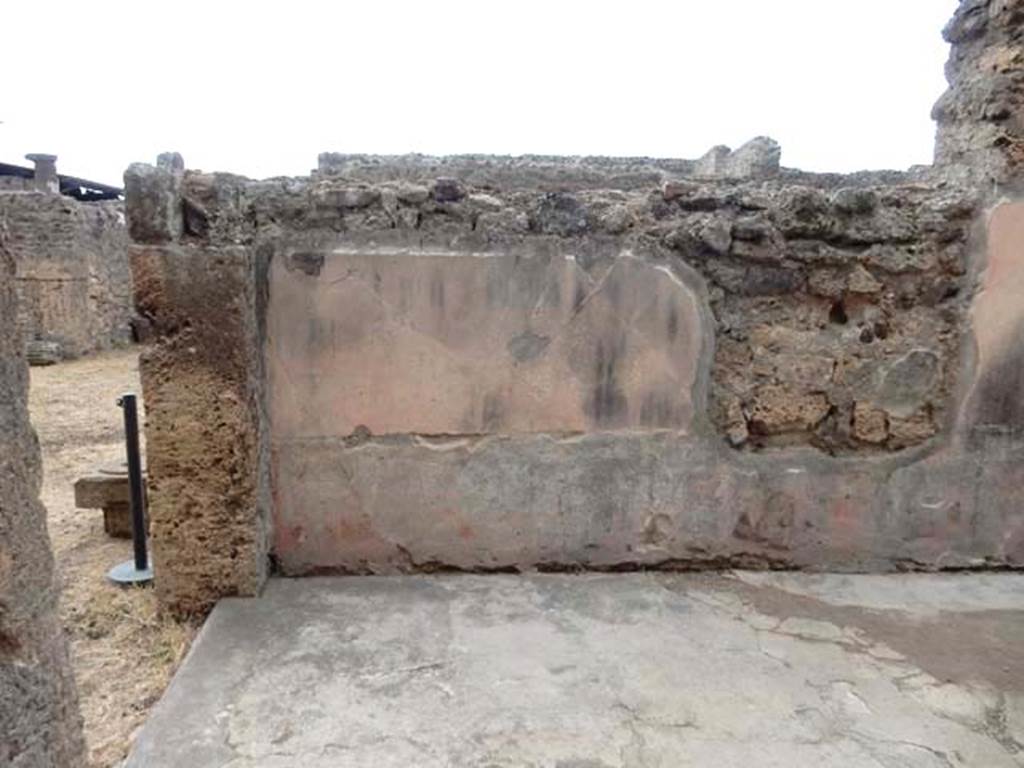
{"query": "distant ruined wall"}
[(492, 363), (72, 274), (39, 720)]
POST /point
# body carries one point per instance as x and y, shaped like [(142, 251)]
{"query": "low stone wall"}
[(72, 275), (696, 371), (494, 363), (39, 720)]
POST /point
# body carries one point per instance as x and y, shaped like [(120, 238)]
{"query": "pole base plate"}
[(127, 573)]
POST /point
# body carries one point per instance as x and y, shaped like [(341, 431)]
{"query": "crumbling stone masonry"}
[(72, 276), (39, 720), (492, 363), (981, 116)]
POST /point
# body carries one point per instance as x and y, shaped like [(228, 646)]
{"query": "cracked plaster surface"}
[(455, 343), (590, 671)]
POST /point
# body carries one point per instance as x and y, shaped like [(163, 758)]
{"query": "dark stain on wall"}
[(307, 262), (607, 405)]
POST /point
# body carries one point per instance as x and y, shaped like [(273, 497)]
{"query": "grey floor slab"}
[(595, 671)]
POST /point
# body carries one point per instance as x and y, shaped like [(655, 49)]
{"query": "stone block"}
[(777, 409), (153, 203), (205, 450), (44, 352), (112, 494), (757, 159), (101, 490), (117, 521)]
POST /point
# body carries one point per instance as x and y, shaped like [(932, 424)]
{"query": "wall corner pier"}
[(202, 382)]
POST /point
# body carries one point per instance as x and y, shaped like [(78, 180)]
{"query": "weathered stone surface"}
[(869, 423), (101, 490), (758, 158), (347, 197), (72, 275), (600, 670), (39, 720), (862, 281), (414, 503), (112, 494), (777, 409), (154, 202), (559, 213), (995, 400), (479, 343), (205, 429), (981, 117), (890, 257), (43, 352)]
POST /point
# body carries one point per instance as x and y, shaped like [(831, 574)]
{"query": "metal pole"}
[(138, 497), (137, 571)]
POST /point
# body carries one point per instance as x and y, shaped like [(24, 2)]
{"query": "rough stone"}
[(347, 197), (869, 424), (112, 494), (412, 194), (855, 201), (43, 352), (39, 720), (153, 203), (830, 283), (617, 219), (908, 382), (912, 429), (779, 409), (758, 158), (562, 214), (447, 191), (981, 117), (862, 281), (202, 382)]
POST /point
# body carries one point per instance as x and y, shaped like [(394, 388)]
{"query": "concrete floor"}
[(595, 671)]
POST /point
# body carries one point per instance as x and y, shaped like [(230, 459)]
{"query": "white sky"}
[(260, 88)]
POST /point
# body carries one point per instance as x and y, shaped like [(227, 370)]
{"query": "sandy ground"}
[(123, 651)]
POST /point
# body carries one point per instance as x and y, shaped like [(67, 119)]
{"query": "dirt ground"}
[(123, 651)]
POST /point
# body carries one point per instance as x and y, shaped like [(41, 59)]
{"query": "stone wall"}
[(39, 720), (72, 274), (494, 363), (981, 116)]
